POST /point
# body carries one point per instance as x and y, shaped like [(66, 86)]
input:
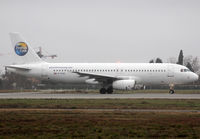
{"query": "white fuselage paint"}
[(141, 73)]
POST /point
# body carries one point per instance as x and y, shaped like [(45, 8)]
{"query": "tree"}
[(189, 66), (15, 81), (180, 58), (194, 62), (151, 61), (158, 60)]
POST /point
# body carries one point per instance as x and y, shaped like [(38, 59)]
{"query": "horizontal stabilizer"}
[(18, 67)]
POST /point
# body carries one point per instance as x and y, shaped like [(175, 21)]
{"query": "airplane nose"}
[(195, 77)]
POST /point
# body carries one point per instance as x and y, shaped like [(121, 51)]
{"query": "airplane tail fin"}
[(23, 50)]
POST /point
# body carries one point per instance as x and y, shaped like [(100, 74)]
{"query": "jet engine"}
[(91, 81), (123, 84)]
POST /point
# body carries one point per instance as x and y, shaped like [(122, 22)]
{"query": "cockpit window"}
[(185, 70)]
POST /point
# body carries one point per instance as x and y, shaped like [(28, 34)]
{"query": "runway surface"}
[(40, 95)]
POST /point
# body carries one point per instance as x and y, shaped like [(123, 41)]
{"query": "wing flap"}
[(97, 77)]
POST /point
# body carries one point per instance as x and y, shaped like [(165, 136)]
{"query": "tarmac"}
[(44, 95)]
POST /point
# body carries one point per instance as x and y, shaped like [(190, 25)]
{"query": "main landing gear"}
[(109, 90), (171, 89)]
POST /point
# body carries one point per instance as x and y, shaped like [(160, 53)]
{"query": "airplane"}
[(110, 76)]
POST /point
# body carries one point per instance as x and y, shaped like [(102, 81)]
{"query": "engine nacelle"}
[(91, 81), (124, 84)]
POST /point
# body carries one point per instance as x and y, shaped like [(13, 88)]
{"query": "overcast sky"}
[(103, 30)]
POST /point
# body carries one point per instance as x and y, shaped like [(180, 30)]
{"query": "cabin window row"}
[(90, 70)]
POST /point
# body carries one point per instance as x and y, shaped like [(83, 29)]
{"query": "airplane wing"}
[(18, 67), (98, 77)]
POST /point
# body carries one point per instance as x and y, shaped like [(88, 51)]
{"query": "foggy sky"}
[(103, 30)]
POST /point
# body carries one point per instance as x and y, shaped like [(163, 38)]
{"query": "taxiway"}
[(42, 95)]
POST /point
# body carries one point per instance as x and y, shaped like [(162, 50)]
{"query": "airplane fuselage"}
[(142, 73)]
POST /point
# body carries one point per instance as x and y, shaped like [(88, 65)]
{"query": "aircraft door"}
[(170, 73)]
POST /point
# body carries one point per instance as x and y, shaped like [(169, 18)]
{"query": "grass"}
[(44, 118), (101, 104), (14, 91), (97, 125)]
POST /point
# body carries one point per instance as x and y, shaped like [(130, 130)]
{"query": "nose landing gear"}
[(171, 89)]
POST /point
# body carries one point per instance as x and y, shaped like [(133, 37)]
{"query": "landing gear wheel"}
[(102, 91), (171, 91), (110, 90)]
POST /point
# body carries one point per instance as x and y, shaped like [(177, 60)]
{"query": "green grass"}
[(101, 104), (14, 91)]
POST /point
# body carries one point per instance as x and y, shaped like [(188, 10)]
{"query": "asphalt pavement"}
[(45, 95)]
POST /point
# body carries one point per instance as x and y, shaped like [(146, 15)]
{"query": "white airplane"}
[(110, 76)]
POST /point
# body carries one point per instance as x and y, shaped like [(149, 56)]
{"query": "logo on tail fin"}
[(21, 48)]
